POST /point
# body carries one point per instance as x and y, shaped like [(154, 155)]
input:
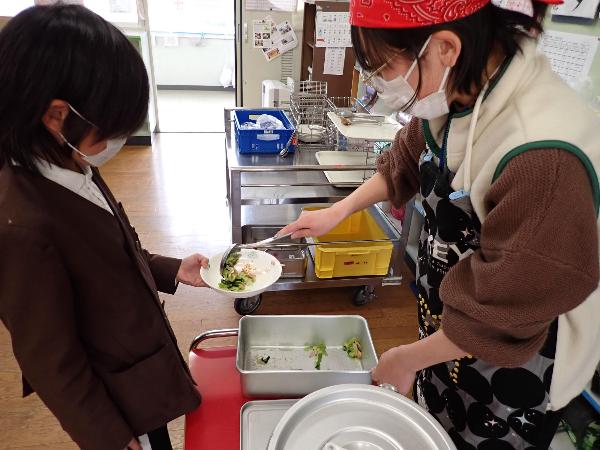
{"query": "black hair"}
[(69, 53), (481, 33)]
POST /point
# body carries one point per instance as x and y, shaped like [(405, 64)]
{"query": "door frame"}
[(240, 34)]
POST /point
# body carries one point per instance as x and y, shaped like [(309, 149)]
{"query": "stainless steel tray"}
[(290, 370), (258, 419), (355, 417)]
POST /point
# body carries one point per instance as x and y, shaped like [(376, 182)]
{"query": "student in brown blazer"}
[(78, 293)]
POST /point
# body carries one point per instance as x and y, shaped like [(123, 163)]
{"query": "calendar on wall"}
[(332, 29)]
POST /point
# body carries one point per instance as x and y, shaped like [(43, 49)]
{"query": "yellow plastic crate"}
[(353, 260)]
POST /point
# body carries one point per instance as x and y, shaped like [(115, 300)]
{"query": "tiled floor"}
[(174, 193), (193, 111)]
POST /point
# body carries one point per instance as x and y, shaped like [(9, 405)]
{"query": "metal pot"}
[(358, 417)]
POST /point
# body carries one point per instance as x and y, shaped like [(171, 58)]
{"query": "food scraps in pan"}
[(317, 351), (353, 348), (263, 359)]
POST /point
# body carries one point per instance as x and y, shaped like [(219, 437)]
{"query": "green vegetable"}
[(317, 351), (353, 348), (234, 280), (232, 259)]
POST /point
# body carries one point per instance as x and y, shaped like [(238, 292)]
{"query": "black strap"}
[(159, 439)]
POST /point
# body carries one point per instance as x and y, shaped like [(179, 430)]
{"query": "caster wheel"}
[(247, 306), (364, 295)]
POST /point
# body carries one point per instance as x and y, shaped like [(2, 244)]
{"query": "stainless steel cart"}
[(270, 190)]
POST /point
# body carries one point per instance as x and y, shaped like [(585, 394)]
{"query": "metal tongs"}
[(348, 118), (236, 248)]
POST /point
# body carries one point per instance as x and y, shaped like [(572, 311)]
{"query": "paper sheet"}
[(172, 40), (334, 60), (521, 6), (261, 33), (571, 55), (272, 5), (332, 29), (577, 8), (120, 6), (283, 39)]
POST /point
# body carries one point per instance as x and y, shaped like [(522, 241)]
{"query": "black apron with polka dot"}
[(483, 407)]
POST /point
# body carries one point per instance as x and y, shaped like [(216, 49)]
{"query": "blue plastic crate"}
[(263, 141)]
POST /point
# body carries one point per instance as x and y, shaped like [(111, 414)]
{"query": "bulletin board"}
[(589, 29)]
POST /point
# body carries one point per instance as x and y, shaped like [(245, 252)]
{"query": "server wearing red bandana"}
[(504, 157)]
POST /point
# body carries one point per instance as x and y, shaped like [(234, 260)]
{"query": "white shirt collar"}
[(81, 184), (74, 181)]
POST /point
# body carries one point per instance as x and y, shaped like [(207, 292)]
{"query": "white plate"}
[(268, 271), (311, 134)]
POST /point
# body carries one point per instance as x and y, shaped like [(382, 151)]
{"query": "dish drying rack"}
[(309, 106), (310, 111)]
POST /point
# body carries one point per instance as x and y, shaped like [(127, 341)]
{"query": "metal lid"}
[(358, 417)]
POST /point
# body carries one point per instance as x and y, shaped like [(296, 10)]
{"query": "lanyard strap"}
[(444, 147)]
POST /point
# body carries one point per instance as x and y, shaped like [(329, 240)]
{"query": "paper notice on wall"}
[(334, 60), (261, 33), (283, 39), (171, 40), (120, 6), (586, 9), (272, 5), (332, 29), (571, 55), (520, 6)]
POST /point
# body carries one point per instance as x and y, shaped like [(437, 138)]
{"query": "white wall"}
[(191, 61)]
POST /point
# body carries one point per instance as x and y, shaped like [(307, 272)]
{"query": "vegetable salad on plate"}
[(237, 275)]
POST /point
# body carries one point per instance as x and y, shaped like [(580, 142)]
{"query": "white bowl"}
[(268, 271), (311, 133)]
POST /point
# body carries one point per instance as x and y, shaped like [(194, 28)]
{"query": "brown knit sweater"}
[(538, 256)]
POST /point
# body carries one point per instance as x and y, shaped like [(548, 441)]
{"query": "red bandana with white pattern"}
[(410, 13), (421, 13)]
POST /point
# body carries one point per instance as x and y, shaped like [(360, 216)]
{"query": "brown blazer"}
[(78, 294)]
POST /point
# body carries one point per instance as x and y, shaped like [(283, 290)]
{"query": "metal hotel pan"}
[(290, 371)]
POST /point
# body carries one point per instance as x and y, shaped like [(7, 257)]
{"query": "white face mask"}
[(397, 93), (113, 146)]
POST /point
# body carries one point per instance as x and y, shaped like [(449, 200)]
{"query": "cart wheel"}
[(364, 295), (246, 306)]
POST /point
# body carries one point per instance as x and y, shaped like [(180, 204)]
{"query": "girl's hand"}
[(394, 368), (133, 445), (189, 271), (315, 223)]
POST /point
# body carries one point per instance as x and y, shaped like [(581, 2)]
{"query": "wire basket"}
[(309, 106)]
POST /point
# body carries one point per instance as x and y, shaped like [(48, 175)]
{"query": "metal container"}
[(258, 419), (358, 417), (293, 259), (290, 371)]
